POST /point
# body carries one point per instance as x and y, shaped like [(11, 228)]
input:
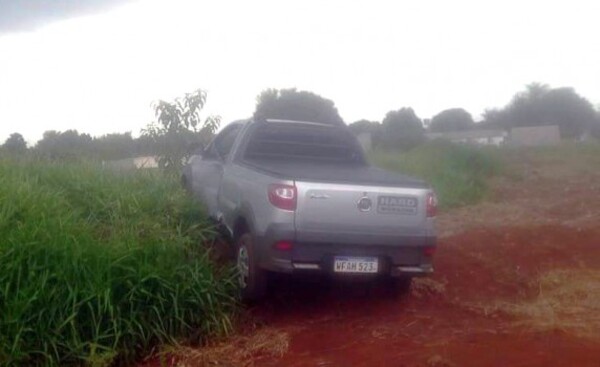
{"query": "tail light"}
[(429, 251), (283, 196), (432, 204), (283, 245)]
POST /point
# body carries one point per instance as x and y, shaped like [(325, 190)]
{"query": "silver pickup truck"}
[(300, 197)]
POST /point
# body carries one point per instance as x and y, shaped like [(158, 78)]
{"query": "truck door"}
[(208, 171)]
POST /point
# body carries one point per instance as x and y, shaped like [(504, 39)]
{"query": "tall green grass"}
[(458, 173), (97, 267)]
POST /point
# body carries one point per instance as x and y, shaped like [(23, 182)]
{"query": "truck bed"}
[(333, 173)]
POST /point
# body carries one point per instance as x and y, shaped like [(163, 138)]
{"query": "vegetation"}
[(458, 173), (364, 126), (402, 129), (541, 105), (70, 145), (454, 119), (15, 144), (98, 266), (291, 104), (178, 127)]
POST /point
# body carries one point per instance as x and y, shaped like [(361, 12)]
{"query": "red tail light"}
[(432, 204), (283, 245), (429, 251), (283, 196)]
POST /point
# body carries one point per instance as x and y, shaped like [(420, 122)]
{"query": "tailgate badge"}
[(364, 204)]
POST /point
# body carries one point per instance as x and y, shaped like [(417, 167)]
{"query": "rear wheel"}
[(186, 184), (251, 278), (398, 286)]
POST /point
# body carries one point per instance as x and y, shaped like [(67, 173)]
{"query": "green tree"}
[(67, 145), (595, 130), (364, 126), (178, 126), (291, 104), (495, 118), (454, 119), (402, 129), (541, 105), (370, 127), (114, 146), (15, 144)]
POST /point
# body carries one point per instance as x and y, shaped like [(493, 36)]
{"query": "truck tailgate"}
[(356, 211)]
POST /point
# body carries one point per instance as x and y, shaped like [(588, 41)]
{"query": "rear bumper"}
[(398, 255)]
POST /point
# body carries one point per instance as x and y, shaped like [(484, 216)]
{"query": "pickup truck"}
[(299, 197)]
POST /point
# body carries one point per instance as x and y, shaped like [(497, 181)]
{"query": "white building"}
[(476, 137), (535, 135)]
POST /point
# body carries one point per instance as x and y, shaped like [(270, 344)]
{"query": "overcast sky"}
[(98, 72)]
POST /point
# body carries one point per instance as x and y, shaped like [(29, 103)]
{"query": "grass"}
[(266, 342), (98, 267), (458, 173), (567, 300), (573, 157)]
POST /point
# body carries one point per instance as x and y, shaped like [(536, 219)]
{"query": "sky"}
[(99, 70)]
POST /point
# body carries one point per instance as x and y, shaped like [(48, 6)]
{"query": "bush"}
[(458, 173), (99, 266)]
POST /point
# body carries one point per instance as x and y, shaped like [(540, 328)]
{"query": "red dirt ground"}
[(442, 327), (488, 303)]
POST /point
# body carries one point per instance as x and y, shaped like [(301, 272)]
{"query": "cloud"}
[(27, 15)]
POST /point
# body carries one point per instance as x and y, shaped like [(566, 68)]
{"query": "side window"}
[(224, 142)]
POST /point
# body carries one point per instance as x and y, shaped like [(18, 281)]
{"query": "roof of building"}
[(468, 134)]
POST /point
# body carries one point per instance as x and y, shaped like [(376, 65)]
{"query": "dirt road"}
[(517, 283)]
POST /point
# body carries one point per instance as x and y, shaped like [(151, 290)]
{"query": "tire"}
[(252, 279), (186, 184), (398, 286)]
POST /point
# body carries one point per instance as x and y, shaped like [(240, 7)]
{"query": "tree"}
[(15, 144), (290, 104), (454, 119), (114, 146), (178, 125), (364, 126), (541, 105), (595, 130), (67, 145), (403, 129), (368, 127), (495, 118)]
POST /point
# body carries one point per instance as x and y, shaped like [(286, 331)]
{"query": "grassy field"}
[(99, 266), (458, 173)]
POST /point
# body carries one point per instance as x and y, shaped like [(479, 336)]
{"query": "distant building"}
[(133, 163), (145, 162), (476, 137), (534, 135)]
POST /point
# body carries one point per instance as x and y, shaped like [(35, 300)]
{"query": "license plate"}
[(344, 264)]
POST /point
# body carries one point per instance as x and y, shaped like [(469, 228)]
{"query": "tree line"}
[(537, 105), (178, 128)]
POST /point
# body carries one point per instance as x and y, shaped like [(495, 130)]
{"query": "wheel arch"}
[(243, 223)]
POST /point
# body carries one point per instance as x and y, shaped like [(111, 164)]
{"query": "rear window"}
[(303, 142)]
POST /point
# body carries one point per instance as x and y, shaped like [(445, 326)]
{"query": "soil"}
[(516, 283)]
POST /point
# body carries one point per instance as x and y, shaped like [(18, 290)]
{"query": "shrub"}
[(458, 173), (98, 266)]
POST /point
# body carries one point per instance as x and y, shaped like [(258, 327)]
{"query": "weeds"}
[(97, 267), (458, 173)]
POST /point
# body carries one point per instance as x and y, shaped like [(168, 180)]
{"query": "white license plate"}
[(346, 264)]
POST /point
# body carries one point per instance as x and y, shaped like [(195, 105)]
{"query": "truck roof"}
[(279, 121)]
